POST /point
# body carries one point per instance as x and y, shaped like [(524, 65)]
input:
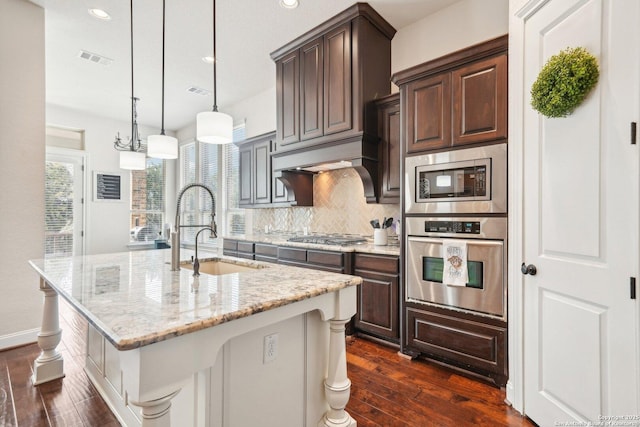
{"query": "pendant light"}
[(214, 127), (162, 146), (131, 155)]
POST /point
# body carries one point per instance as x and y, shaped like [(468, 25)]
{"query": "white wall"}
[(462, 24), (107, 223), (22, 124), (258, 112)]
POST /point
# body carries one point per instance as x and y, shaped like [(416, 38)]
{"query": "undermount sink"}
[(218, 267)]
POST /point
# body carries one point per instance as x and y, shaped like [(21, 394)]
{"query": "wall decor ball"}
[(564, 82)]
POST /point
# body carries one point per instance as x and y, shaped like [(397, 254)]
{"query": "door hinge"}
[(82, 233), (82, 168), (82, 200), (632, 287), (634, 132)]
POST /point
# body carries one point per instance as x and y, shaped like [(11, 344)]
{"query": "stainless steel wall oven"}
[(485, 239)]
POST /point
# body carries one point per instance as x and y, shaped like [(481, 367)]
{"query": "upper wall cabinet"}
[(458, 99), (255, 171), (389, 154), (326, 78)]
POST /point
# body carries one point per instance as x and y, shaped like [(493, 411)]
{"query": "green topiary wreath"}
[(564, 82)]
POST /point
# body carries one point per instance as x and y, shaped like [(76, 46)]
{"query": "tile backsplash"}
[(339, 206)]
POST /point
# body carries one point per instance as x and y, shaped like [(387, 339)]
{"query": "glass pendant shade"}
[(133, 160), (162, 147), (214, 127)]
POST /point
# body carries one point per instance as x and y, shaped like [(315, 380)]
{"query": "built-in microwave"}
[(472, 180)]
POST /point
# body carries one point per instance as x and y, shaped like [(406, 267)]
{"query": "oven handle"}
[(470, 242)]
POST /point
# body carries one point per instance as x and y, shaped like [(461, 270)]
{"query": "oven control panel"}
[(461, 227)]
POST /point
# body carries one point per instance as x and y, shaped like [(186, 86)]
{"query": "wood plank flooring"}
[(387, 390)]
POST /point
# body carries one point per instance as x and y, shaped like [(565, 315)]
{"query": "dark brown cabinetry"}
[(465, 341), (378, 304), (378, 296), (389, 155), (259, 186), (457, 99), (326, 77), (255, 171)]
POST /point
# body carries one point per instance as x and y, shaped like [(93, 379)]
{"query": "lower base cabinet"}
[(378, 296), (474, 344), (378, 303)]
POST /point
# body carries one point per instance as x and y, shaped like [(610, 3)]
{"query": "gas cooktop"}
[(329, 239)]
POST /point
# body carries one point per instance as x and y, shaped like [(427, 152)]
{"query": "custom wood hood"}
[(326, 82)]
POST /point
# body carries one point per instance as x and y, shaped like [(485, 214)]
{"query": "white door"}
[(580, 194), (64, 207)]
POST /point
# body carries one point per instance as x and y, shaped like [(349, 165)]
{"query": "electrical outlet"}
[(270, 352)]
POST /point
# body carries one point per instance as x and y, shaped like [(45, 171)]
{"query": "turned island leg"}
[(155, 413), (337, 386), (49, 365)]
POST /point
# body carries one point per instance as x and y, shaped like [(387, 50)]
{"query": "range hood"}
[(358, 151)]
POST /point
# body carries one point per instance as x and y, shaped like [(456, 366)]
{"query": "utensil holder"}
[(380, 237)]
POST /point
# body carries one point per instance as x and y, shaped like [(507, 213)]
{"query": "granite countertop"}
[(135, 299), (280, 239)]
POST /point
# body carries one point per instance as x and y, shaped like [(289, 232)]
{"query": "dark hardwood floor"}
[(387, 389)]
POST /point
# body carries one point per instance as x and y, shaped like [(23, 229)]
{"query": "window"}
[(216, 166), (147, 202)]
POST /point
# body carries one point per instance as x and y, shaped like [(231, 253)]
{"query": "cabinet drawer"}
[(266, 250), (246, 247), (379, 263), (245, 255), (231, 245), (292, 254), (265, 258), (475, 346), (333, 259)]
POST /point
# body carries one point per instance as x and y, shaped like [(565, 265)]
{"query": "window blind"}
[(58, 209), (234, 215)]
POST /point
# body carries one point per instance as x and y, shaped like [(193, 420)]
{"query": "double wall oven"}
[(457, 198)]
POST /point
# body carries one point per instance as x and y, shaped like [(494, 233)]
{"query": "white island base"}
[(222, 376)]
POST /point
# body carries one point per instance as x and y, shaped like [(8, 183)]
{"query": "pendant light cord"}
[(134, 135), (215, 59), (163, 25)]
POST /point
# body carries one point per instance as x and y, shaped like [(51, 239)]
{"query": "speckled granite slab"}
[(135, 299), (281, 240)]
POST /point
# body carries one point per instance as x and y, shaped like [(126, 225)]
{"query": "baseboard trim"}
[(19, 338)]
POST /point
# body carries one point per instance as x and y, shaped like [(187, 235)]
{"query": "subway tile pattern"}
[(339, 206)]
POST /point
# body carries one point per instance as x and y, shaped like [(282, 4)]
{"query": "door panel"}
[(288, 99), (311, 95), (337, 80), (581, 221), (428, 105)]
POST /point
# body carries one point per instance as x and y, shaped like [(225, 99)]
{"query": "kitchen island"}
[(248, 343)]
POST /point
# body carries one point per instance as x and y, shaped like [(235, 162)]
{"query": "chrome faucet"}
[(196, 261), (175, 236)]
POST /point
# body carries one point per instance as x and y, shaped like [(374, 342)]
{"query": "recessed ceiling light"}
[(100, 14), (208, 59), (289, 4)]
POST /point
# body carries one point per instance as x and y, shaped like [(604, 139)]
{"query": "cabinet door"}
[(337, 80), (428, 106), (288, 98), (311, 92), (378, 305), (262, 172), (246, 176), (389, 131), (480, 101)]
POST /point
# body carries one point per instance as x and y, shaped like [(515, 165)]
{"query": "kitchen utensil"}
[(375, 223), (387, 222)]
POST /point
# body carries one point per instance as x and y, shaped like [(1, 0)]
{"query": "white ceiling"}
[(247, 32)]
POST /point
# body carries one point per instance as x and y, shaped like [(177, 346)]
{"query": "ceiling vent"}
[(199, 91), (95, 58)]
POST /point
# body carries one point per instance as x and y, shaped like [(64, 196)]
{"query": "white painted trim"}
[(519, 10), (19, 338)]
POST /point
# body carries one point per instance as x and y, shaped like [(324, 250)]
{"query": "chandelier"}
[(131, 155)]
